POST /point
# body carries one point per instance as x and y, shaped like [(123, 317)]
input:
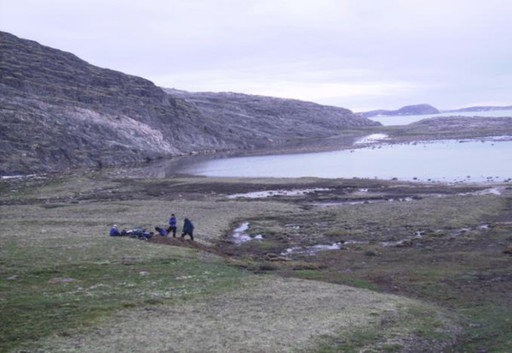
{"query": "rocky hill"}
[(418, 109), (57, 111), (265, 121)]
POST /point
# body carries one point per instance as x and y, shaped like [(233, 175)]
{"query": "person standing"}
[(173, 223), (188, 228)]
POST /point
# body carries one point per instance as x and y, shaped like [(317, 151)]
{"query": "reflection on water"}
[(446, 161), (171, 167)]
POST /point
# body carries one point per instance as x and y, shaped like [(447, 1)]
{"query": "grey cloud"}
[(445, 53)]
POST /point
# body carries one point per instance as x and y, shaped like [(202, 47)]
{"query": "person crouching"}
[(114, 232), (161, 231)]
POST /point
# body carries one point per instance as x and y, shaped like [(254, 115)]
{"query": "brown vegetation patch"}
[(180, 242)]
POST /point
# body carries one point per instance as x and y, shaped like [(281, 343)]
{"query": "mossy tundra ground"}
[(417, 267)]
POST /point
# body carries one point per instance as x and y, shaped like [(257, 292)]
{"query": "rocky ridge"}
[(58, 111), (265, 121)]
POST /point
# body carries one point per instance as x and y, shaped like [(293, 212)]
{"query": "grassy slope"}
[(66, 286)]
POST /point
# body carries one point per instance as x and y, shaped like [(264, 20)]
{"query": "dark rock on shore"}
[(57, 112)]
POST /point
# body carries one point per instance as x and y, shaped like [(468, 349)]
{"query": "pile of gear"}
[(143, 234)]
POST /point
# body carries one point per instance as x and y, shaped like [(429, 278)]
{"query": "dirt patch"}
[(179, 241)]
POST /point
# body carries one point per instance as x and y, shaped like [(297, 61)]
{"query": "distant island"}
[(479, 109), (423, 109), (418, 109)]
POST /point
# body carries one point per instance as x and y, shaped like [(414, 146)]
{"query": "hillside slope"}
[(57, 111), (264, 120)]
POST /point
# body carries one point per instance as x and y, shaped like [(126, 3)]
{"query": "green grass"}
[(308, 274), (361, 283), (59, 299), (353, 343), (489, 328)]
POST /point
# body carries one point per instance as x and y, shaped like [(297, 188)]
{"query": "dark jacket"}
[(188, 227), (161, 231)]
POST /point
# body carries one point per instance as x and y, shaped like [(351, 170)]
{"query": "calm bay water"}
[(446, 161)]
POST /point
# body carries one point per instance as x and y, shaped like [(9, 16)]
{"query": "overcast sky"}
[(357, 54)]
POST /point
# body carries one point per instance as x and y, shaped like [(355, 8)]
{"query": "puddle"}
[(405, 242), (356, 242), (360, 202), (460, 231), (239, 235), (7, 177), (491, 191), (271, 193), (293, 226), (373, 138), (312, 250), (498, 191), (450, 233), (346, 203), (402, 242)]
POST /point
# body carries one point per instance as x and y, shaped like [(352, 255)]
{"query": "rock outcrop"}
[(57, 111)]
